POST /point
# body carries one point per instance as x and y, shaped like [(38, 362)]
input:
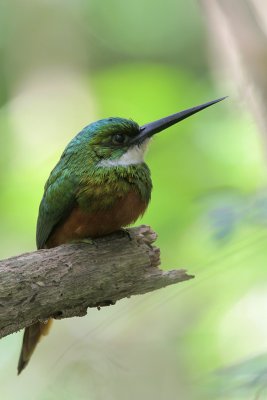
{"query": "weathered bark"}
[(64, 281)]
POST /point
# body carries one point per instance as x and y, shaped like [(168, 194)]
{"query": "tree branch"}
[(238, 37), (64, 281)]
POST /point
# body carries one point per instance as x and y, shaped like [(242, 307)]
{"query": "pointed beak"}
[(148, 130)]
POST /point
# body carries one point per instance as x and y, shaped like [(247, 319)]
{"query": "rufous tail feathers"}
[(31, 337)]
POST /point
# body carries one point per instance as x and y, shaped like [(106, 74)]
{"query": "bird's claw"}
[(125, 232)]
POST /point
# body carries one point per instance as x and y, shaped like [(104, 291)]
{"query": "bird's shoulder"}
[(58, 199)]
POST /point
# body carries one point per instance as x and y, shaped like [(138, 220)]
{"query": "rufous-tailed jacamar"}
[(100, 184)]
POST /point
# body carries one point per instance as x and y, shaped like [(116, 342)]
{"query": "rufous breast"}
[(81, 224)]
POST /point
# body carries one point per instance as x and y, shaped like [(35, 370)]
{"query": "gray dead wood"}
[(64, 281)]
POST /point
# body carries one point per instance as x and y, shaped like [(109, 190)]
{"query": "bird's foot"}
[(125, 232)]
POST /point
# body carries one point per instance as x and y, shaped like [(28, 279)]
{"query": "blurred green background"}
[(65, 64)]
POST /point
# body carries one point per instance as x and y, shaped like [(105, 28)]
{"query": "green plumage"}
[(93, 190), (99, 185), (79, 179), (94, 169)]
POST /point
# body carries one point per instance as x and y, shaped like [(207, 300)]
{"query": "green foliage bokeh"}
[(66, 64)]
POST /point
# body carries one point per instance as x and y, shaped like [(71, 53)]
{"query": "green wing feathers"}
[(57, 202)]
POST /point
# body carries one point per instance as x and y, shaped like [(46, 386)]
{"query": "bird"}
[(100, 185)]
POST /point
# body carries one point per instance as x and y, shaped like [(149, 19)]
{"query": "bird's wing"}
[(58, 200)]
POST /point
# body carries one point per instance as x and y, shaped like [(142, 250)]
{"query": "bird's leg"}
[(125, 232)]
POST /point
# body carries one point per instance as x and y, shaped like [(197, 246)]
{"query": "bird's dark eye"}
[(119, 138)]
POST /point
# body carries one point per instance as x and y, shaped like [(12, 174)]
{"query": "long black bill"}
[(150, 129)]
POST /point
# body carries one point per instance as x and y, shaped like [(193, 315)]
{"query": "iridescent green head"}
[(121, 142)]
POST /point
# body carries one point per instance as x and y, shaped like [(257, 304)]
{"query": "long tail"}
[(31, 337)]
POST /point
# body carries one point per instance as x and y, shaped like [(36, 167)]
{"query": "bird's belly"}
[(81, 224)]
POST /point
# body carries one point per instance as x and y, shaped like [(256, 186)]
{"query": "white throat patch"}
[(134, 155)]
